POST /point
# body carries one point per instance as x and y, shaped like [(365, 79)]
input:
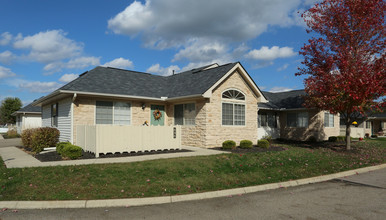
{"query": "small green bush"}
[(245, 144), (60, 146), (229, 144), (312, 139), (44, 137), (374, 136), (71, 151), (268, 138), (263, 143), (342, 138), (332, 139)]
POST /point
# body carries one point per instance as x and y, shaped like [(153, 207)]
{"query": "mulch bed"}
[(254, 149), (54, 156)]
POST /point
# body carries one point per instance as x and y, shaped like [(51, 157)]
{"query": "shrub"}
[(332, 139), (312, 139), (229, 144), (374, 136), (44, 137), (268, 138), (342, 138), (245, 144), (263, 143), (367, 135), (26, 137), (60, 146), (12, 134), (71, 151)]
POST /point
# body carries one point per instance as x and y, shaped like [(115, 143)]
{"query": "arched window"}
[(233, 94), (233, 108)]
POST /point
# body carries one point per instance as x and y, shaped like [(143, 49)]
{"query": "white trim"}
[(182, 103), (131, 111), (233, 114), (249, 80)]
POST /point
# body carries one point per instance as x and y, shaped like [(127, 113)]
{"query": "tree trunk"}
[(348, 132)]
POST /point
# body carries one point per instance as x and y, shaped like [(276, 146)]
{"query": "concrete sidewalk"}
[(10, 142), (373, 179), (13, 157)]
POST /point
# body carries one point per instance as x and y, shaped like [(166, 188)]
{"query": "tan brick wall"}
[(315, 127), (216, 133)]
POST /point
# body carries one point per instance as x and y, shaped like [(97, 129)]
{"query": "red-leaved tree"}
[(345, 59)]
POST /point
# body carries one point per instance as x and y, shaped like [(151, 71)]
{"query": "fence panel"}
[(113, 138)]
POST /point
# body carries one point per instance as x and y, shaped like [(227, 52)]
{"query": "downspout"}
[(72, 118)]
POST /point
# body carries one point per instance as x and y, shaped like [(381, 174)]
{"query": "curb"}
[(178, 198)]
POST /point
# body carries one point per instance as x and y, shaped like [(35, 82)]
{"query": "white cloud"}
[(49, 46), (173, 23), (6, 57), (280, 89), (68, 78), (266, 53), (120, 63), (39, 87), (6, 72), (201, 51), (5, 38), (163, 71), (75, 63), (285, 66)]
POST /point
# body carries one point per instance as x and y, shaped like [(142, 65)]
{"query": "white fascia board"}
[(249, 80)]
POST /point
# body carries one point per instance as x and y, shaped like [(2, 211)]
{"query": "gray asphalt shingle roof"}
[(284, 100), (30, 108), (125, 82)]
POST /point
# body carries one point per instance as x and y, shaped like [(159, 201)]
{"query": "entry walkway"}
[(13, 157)]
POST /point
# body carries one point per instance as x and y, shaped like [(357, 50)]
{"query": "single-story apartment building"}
[(212, 104), (29, 116)]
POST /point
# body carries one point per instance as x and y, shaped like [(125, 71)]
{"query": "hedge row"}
[(245, 144), (39, 138)]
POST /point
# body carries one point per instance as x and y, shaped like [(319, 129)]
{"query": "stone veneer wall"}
[(216, 133), (315, 127)]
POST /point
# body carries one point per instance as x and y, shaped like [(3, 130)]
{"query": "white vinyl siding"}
[(297, 119), (46, 116), (64, 120), (328, 120), (185, 114)]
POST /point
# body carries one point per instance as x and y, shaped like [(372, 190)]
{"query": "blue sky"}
[(44, 44)]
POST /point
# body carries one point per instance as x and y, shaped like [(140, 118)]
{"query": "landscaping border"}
[(177, 198)]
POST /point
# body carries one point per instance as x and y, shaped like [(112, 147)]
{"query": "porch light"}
[(143, 106)]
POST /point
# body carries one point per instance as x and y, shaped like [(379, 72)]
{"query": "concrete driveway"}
[(10, 142)]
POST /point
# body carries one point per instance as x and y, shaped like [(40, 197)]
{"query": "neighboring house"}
[(284, 116), (374, 124), (212, 103), (28, 117)]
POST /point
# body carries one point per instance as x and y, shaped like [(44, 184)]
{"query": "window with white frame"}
[(267, 119), (368, 124), (118, 113), (328, 120), (233, 108), (185, 114), (297, 119)]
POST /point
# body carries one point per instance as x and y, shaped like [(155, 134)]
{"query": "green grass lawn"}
[(183, 175)]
